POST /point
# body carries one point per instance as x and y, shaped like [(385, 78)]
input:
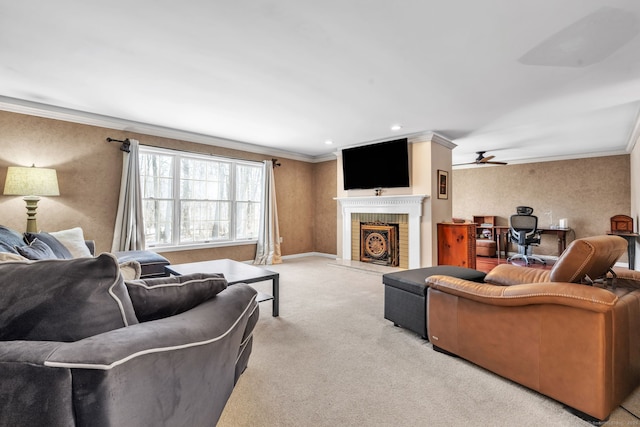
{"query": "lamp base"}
[(32, 205)]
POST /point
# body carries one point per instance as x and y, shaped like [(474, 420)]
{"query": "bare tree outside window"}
[(191, 199)]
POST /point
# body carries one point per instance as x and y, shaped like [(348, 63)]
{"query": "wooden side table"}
[(631, 245)]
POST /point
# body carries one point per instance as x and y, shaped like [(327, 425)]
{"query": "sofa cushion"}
[(63, 300), (588, 256), (73, 240), (160, 297), (627, 278), (56, 246), (36, 250), (9, 239)]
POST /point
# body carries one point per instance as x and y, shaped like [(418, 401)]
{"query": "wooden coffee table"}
[(234, 272)]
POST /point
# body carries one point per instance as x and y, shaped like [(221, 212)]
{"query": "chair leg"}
[(536, 258), (522, 254), (528, 259), (516, 256)]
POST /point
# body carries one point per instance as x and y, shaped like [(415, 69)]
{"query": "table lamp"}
[(31, 183)]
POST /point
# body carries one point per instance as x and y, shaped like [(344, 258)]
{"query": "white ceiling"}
[(523, 80)]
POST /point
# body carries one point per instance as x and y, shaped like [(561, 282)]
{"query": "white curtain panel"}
[(128, 234), (268, 249)]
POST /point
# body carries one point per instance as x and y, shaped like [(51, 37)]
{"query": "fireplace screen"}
[(379, 243)]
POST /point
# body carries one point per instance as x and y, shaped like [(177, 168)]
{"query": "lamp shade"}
[(23, 181)]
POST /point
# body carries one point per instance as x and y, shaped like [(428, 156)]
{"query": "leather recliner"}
[(578, 344)]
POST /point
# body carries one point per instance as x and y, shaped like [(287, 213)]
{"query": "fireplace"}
[(379, 243), (403, 210), (384, 236)]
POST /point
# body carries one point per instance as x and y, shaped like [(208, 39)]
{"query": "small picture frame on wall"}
[(443, 184)]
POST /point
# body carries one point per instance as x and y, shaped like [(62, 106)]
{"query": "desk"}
[(502, 235), (631, 245)]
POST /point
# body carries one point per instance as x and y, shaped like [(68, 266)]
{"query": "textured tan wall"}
[(588, 192), (88, 174), (295, 197), (325, 208), (89, 171)]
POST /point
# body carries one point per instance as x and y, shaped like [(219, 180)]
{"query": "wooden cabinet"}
[(457, 244)]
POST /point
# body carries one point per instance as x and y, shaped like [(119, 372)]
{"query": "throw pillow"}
[(10, 256), (73, 240), (36, 250), (166, 296), (9, 239), (56, 246), (130, 270), (63, 300)]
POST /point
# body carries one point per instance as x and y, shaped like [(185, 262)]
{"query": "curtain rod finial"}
[(125, 144)]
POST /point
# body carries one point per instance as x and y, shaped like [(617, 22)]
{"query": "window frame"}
[(178, 155)]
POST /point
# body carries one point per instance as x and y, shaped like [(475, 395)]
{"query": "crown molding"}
[(21, 106), (433, 137), (635, 135)]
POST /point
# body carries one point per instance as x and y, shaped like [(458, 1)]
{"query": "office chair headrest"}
[(524, 210)]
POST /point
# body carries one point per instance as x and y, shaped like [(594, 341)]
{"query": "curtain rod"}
[(125, 144), (276, 163)]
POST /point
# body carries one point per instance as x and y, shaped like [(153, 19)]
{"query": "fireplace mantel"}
[(401, 204)]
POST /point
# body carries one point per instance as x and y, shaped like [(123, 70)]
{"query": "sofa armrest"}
[(508, 274), (30, 392), (178, 370), (33, 352), (208, 322), (568, 294)]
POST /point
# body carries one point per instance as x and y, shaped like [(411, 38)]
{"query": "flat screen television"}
[(381, 165)]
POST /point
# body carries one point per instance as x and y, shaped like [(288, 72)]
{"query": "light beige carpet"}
[(331, 359)]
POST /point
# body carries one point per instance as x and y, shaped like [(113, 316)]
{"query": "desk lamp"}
[(31, 183)]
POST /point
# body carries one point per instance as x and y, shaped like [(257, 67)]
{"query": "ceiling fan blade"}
[(482, 160), (486, 159)]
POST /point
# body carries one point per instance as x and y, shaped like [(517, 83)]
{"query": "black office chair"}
[(523, 230)]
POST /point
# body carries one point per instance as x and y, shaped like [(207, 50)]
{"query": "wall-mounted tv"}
[(382, 165)]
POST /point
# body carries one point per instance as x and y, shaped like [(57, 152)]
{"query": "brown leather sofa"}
[(576, 343)]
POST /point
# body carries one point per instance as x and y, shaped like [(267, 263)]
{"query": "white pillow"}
[(130, 270), (8, 256), (73, 239)]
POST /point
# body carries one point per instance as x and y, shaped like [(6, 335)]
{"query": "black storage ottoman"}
[(151, 263), (405, 294)]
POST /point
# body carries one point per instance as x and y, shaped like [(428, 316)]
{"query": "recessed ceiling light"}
[(328, 142), (396, 127)]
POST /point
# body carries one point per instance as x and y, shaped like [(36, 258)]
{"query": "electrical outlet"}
[(281, 239)]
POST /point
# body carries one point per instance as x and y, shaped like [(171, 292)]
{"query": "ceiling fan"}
[(482, 160)]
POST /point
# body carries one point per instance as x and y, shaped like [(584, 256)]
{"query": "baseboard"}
[(301, 255), (307, 254)]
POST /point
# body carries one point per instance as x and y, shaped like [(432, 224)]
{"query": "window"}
[(191, 199)]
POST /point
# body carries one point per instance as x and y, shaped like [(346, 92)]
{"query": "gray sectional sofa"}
[(80, 346)]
